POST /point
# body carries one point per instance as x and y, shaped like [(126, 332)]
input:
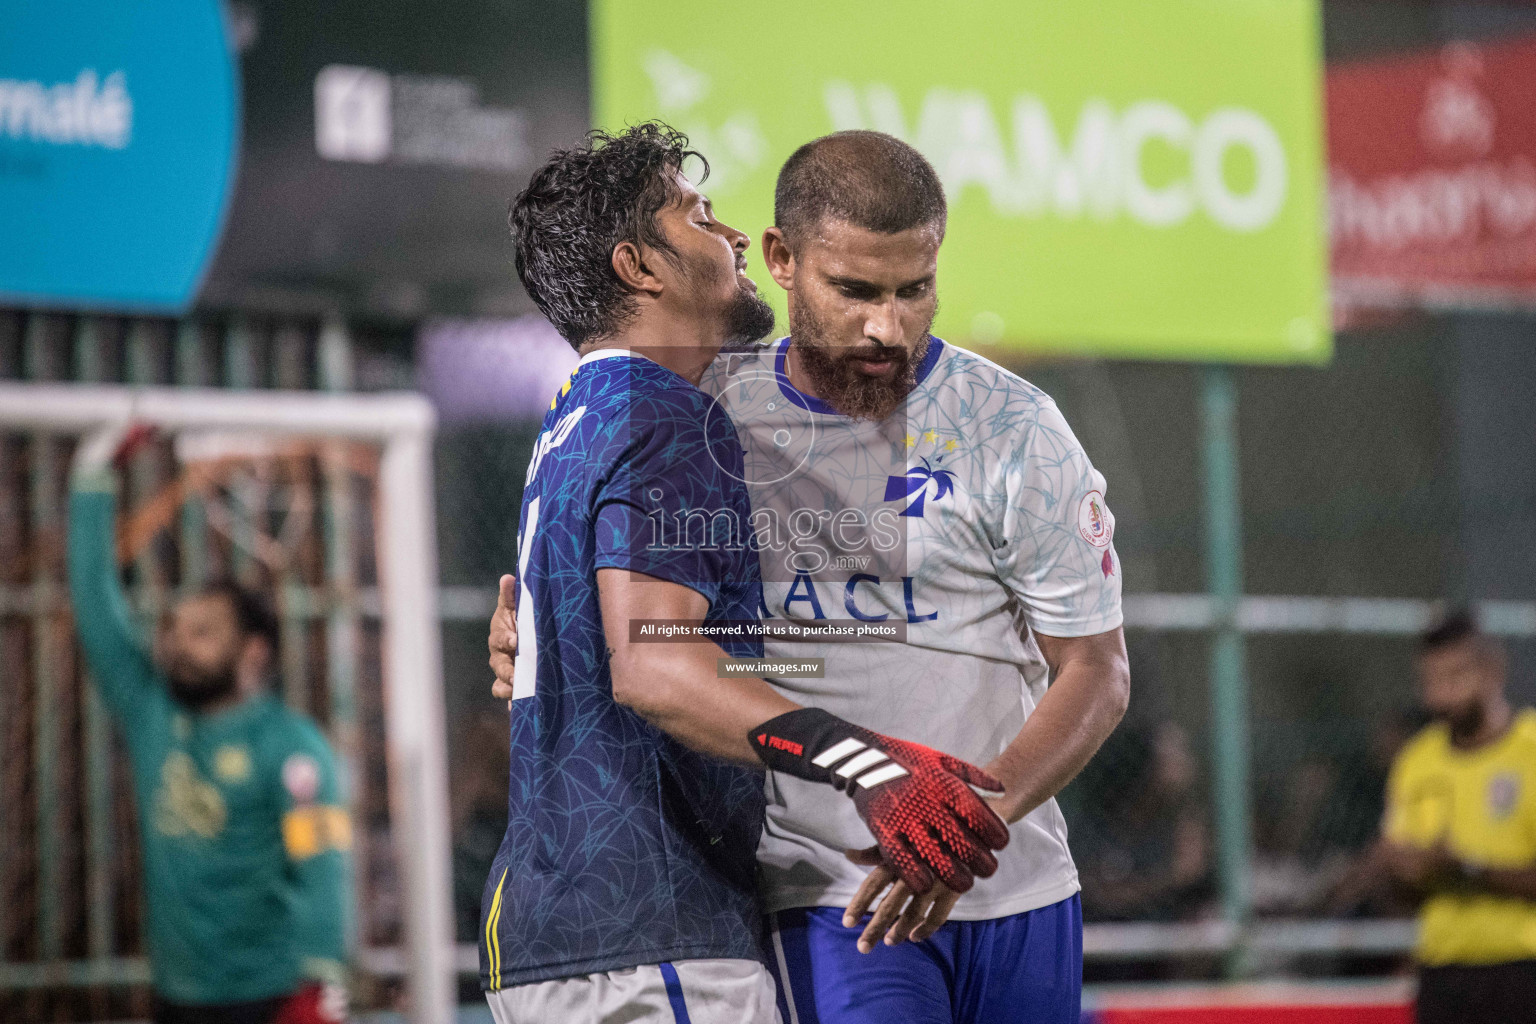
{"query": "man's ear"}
[(629, 262), (778, 257)]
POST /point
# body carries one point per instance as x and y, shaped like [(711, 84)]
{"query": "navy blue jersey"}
[(623, 847)]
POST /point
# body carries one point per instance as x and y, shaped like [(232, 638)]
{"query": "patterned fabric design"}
[(622, 846)]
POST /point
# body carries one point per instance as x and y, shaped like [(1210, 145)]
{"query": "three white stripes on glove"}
[(880, 768)]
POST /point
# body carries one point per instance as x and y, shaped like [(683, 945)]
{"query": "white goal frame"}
[(402, 424)]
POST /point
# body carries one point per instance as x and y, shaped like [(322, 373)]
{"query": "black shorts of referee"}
[(1491, 994)]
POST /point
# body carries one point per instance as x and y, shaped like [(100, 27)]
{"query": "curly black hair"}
[(1458, 624), (577, 207)]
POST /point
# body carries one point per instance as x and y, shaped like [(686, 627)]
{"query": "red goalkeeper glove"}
[(110, 447), (917, 801), (315, 1003)]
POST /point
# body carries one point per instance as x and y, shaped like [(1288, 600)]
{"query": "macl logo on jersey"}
[(916, 482), (804, 590)]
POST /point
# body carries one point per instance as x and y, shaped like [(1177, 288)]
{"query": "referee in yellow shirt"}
[(1460, 828)]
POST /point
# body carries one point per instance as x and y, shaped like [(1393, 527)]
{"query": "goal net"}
[(324, 502)]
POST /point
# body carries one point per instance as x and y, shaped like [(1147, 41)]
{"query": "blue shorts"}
[(1027, 968)]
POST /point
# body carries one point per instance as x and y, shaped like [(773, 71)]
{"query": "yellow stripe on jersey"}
[(315, 828), (563, 392), (492, 936), (1481, 804)]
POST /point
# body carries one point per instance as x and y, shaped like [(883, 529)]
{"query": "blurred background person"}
[(1365, 885), (1460, 829), (1141, 830), (240, 815)]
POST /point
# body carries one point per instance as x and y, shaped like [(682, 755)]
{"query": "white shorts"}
[(681, 992)]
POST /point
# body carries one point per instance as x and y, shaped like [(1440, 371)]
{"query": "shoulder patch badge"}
[(1503, 794), (301, 778), (1094, 521)]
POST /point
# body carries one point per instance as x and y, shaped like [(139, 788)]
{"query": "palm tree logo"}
[(915, 482)]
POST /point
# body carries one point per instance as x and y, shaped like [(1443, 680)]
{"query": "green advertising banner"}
[(1129, 179)]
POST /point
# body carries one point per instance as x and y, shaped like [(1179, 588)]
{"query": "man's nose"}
[(883, 325)]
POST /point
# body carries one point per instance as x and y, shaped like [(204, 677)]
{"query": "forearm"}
[(677, 688), (321, 885), (1517, 882), (1407, 865), (1434, 870), (1074, 718), (102, 619), (909, 795)]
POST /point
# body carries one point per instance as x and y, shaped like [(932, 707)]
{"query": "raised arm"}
[(120, 666)]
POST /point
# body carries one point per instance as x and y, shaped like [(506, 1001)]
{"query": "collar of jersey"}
[(812, 404), (607, 353), (235, 714)]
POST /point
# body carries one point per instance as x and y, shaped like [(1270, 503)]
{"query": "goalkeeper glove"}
[(916, 800), (315, 1003), (107, 449)]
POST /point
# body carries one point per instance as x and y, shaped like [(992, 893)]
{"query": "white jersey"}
[(971, 520)]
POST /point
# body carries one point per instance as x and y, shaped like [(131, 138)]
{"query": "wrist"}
[(1015, 801), (323, 971), (85, 478), (1465, 875), (816, 745)]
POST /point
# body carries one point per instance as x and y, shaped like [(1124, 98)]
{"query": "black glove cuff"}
[(790, 742), (813, 744)]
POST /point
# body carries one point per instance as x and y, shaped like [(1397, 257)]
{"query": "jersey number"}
[(525, 671), (524, 674)]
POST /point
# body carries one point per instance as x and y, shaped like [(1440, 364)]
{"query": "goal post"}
[(401, 427)]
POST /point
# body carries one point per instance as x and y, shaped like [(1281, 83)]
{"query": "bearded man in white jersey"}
[(902, 481)]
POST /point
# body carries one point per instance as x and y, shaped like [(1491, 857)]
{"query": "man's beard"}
[(836, 381), (1464, 723), (197, 688), (747, 319)]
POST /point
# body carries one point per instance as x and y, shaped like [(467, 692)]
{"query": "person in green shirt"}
[(245, 834)]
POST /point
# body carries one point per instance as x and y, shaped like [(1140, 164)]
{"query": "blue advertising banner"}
[(118, 131)]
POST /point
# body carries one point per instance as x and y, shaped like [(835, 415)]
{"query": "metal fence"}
[(298, 524), (1253, 825)]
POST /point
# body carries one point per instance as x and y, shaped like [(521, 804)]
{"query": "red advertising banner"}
[(1432, 165)]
